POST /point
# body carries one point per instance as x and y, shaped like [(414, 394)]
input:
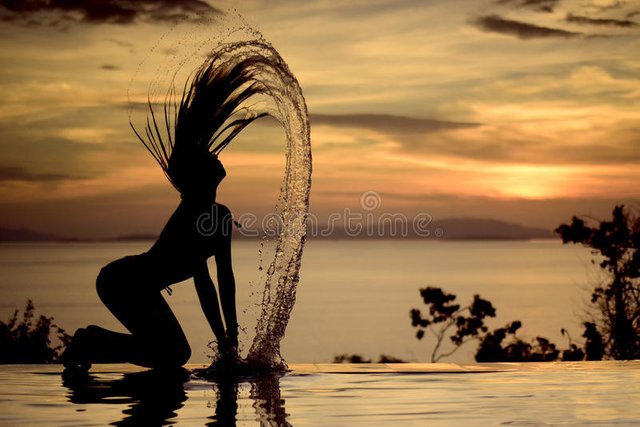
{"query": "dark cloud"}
[(501, 148), (492, 150), (538, 5), (522, 30), (613, 6), (584, 20), (17, 173), (64, 12), (387, 123), (109, 67), (632, 14)]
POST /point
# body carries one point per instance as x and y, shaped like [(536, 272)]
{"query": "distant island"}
[(27, 235), (445, 229), (488, 229)]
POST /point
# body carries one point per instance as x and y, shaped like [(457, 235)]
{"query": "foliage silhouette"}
[(573, 353), (594, 346), (615, 333), (491, 347), (357, 358), (29, 340), (444, 315), (445, 319)]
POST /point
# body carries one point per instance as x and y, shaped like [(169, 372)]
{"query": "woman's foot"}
[(229, 356)]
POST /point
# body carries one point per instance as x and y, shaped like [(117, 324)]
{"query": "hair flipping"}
[(207, 118)]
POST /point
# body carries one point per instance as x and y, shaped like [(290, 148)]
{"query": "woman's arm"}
[(227, 284), (209, 303)]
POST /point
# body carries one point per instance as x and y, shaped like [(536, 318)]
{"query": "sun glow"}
[(530, 182)]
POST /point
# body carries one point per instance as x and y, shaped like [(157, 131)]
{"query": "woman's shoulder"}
[(222, 208)]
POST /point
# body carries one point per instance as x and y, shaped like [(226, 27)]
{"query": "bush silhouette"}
[(444, 315), (615, 331), (445, 318), (357, 358), (29, 340)]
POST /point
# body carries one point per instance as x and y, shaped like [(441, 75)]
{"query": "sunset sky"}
[(521, 110)]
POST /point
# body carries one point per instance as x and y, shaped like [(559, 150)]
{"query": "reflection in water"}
[(268, 404), (265, 394), (154, 397), (226, 404)]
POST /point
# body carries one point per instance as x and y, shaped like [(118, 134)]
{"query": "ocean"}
[(354, 296)]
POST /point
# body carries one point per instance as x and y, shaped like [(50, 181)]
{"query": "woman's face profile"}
[(217, 169)]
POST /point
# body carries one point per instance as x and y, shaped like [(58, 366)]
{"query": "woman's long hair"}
[(211, 112)]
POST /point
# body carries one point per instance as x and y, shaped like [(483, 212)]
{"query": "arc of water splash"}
[(289, 108), (292, 208)]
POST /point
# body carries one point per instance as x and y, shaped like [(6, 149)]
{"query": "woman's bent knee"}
[(184, 354), (170, 357), (102, 284), (105, 283), (179, 351)]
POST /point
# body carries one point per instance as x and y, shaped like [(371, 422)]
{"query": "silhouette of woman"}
[(204, 121)]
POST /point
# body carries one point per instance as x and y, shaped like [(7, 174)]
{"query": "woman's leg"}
[(156, 338)]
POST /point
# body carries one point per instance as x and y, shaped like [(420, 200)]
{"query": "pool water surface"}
[(531, 394)]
